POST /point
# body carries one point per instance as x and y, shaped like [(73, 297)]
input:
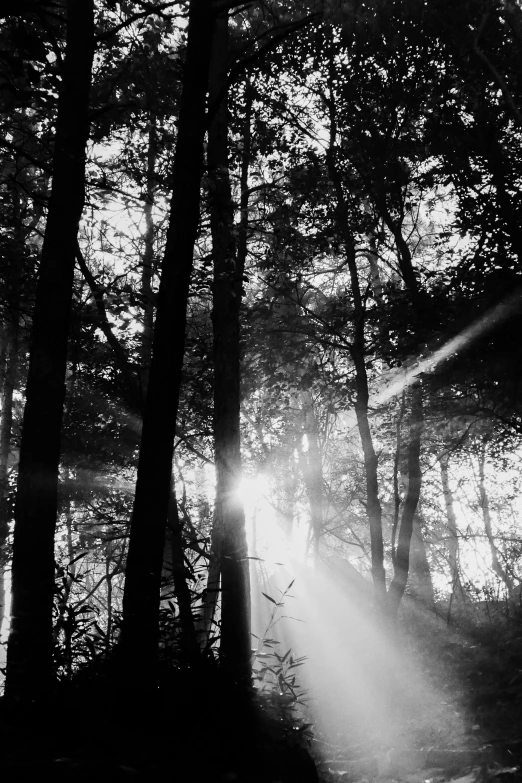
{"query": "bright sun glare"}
[(266, 536)]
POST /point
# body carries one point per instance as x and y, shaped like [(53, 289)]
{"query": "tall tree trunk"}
[(402, 556), (9, 363), (496, 565), (229, 519), (286, 488), (174, 542), (452, 537), (148, 258), (29, 658), (212, 590), (214, 568), (358, 350), (138, 645), (311, 465), (173, 557), (396, 470), (421, 583)]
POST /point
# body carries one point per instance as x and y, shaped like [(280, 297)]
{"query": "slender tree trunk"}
[(496, 565), (173, 558), (396, 468), (9, 364), (421, 583), (108, 579), (235, 645), (29, 658), (311, 465), (138, 645), (402, 557), (174, 540), (286, 488), (214, 568), (213, 587), (452, 537), (9, 360), (148, 258), (358, 349)]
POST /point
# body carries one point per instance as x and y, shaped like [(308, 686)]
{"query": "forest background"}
[(261, 296)]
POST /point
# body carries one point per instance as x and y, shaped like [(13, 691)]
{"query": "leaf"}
[(269, 598)]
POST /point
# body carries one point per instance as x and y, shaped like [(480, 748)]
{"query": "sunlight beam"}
[(486, 323)]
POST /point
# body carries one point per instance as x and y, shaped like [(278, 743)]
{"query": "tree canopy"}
[(260, 300)]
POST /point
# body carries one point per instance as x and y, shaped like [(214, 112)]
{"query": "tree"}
[(139, 633), (30, 641), (229, 522)]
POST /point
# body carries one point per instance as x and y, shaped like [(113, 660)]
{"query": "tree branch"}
[(132, 385)]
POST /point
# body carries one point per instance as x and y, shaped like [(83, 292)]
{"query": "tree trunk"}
[(9, 361), (312, 469), (421, 583), (452, 537), (174, 539), (229, 519), (138, 645), (212, 590), (396, 470), (402, 557), (358, 349), (496, 565), (286, 488), (148, 259), (29, 658), (214, 568)]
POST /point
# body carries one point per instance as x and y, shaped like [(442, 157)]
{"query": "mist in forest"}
[(361, 691)]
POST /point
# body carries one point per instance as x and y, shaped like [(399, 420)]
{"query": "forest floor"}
[(469, 727), (463, 724)]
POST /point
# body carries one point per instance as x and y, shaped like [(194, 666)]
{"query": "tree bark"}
[(358, 348), (402, 556), (421, 583), (148, 258), (396, 467), (8, 368), (312, 469), (214, 568), (229, 519), (174, 540), (29, 658), (496, 565), (452, 538), (138, 644)]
